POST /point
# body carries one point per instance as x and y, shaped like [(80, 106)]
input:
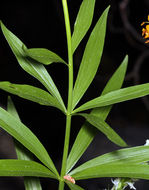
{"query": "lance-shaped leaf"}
[(21, 151), (32, 67), (24, 168), (11, 108), (91, 59), (116, 96), (24, 135), (87, 132), (74, 186), (30, 93), (30, 183), (83, 140), (135, 155), (101, 125), (135, 171), (83, 22), (44, 56)]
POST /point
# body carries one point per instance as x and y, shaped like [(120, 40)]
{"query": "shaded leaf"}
[(87, 132), (91, 59), (14, 167), (30, 183), (135, 171), (83, 140), (31, 66), (101, 125), (135, 155), (21, 151), (30, 93), (74, 186), (44, 56), (24, 135), (83, 22), (11, 108), (116, 96)]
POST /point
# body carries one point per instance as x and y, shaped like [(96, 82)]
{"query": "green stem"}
[(70, 91), (65, 152)]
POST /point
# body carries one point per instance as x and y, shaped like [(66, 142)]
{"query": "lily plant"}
[(125, 164)]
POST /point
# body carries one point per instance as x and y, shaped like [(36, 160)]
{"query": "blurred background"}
[(40, 24)]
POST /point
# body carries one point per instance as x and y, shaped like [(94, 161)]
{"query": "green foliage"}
[(83, 21), (30, 183), (24, 135), (116, 96), (30, 93), (87, 132), (137, 171), (74, 187), (24, 168), (91, 59), (32, 67), (44, 56), (102, 126), (123, 156), (126, 163)]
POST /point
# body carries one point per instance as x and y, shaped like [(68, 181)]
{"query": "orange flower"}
[(145, 30)]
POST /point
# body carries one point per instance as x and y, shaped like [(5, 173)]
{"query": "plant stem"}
[(70, 91), (65, 152)]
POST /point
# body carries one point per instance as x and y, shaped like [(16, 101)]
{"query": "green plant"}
[(124, 163)]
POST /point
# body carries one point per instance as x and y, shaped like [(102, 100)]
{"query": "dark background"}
[(41, 24)]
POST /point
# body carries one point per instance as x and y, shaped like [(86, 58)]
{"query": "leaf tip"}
[(126, 58)]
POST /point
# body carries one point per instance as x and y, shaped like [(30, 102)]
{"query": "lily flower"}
[(145, 30)]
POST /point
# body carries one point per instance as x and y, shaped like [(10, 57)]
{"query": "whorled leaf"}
[(116, 96), (91, 59), (32, 67), (43, 56), (74, 186), (30, 183), (83, 22), (30, 93), (135, 155), (87, 132), (135, 171), (14, 167), (102, 126), (24, 135)]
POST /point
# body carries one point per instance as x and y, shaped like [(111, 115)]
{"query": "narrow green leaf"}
[(11, 108), (21, 151), (87, 132), (116, 96), (91, 58), (24, 168), (101, 125), (82, 141), (30, 93), (135, 155), (74, 186), (83, 22), (134, 171), (44, 56), (30, 183), (31, 66), (117, 79), (24, 135)]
